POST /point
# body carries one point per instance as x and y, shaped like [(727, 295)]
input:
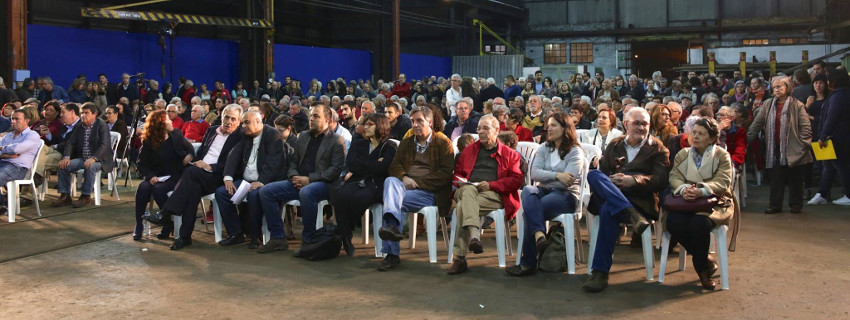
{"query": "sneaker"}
[(844, 201), (597, 281), (817, 199)]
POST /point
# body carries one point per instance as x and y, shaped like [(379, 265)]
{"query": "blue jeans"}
[(64, 185), (397, 202), (9, 172), (274, 194), (539, 205), (230, 216), (610, 201)]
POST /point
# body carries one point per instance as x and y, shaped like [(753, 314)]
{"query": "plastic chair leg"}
[(96, 184), (178, 222), (365, 223), (723, 255), (37, 208), (648, 254), (665, 248), (377, 213), (568, 221), (12, 200), (412, 221), (217, 223), (431, 229), (520, 234), (499, 219), (451, 245)]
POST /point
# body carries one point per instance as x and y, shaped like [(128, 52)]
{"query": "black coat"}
[(121, 127), (209, 137), (370, 167), (491, 92), (471, 125), (271, 160), (402, 124), (167, 160)]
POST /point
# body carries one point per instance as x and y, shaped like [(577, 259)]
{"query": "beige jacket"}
[(714, 174), (799, 132)]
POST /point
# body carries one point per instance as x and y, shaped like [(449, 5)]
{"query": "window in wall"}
[(555, 53), (755, 42), (793, 40), (581, 52), (497, 49)]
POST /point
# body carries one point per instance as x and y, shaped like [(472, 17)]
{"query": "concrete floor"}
[(82, 263)]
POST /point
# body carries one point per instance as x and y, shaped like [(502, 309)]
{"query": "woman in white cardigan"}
[(605, 131)]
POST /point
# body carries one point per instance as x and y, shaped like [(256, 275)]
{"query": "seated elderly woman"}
[(513, 123), (605, 130), (555, 169), (736, 136), (700, 172), (163, 156)]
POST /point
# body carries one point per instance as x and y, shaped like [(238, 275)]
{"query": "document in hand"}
[(241, 192), (827, 153)]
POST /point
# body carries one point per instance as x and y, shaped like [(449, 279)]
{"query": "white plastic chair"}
[(501, 228), (593, 228), (722, 254), (114, 137), (13, 198), (295, 203), (430, 213), (568, 219), (112, 176)]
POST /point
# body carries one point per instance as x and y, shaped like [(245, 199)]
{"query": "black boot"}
[(347, 245), (166, 232)]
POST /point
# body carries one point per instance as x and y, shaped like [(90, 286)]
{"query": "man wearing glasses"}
[(173, 113), (116, 124)]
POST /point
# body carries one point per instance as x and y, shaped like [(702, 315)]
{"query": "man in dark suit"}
[(129, 90), (318, 162), (116, 124), (634, 168), (491, 92), (89, 148), (202, 177), (466, 120), (257, 159)]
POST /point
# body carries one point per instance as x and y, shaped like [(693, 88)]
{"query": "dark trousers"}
[(159, 191), (350, 202), (194, 183), (539, 205), (830, 168), (611, 203), (781, 176), (252, 218), (693, 232)]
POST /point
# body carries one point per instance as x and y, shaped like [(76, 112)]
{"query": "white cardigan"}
[(593, 137)]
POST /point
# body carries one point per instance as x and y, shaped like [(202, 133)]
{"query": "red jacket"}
[(509, 177), (194, 130), (736, 144), (177, 123), (524, 134), (187, 96), (225, 94), (402, 90)]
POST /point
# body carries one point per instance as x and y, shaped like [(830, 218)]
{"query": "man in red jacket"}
[(195, 129), (488, 176), (401, 88)]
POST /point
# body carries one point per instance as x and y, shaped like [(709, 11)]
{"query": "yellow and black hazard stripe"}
[(178, 18)]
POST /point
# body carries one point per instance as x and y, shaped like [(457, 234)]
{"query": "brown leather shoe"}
[(64, 200), (705, 279), (772, 210), (458, 266), (475, 246), (83, 201)]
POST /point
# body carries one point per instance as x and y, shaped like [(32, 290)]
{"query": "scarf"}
[(783, 133), (740, 97)]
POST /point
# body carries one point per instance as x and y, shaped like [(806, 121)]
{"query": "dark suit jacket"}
[(330, 158), (491, 92), (99, 142), (651, 169), (471, 125), (209, 137), (121, 127), (271, 161)]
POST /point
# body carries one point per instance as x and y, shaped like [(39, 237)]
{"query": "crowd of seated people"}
[(358, 143)]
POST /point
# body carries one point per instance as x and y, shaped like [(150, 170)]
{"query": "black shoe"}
[(232, 239), (38, 179), (389, 263), (274, 245), (157, 219), (253, 244), (3, 209), (25, 202), (520, 271), (597, 281), (165, 233), (639, 223), (181, 243), (137, 232), (390, 233), (475, 246), (348, 246)]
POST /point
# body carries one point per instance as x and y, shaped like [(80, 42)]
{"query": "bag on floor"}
[(554, 259), (321, 245)]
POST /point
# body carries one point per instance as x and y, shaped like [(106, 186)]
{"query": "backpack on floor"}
[(554, 259), (321, 245)]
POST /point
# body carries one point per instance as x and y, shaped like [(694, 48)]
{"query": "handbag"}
[(679, 204)]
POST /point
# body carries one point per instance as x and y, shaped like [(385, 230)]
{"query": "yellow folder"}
[(827, 153)]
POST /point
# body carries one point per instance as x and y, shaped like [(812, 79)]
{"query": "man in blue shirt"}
[(511, 88), (17, 151)]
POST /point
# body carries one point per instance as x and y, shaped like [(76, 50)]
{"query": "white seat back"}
[(394, 141), (114, 138), (591, 151)]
